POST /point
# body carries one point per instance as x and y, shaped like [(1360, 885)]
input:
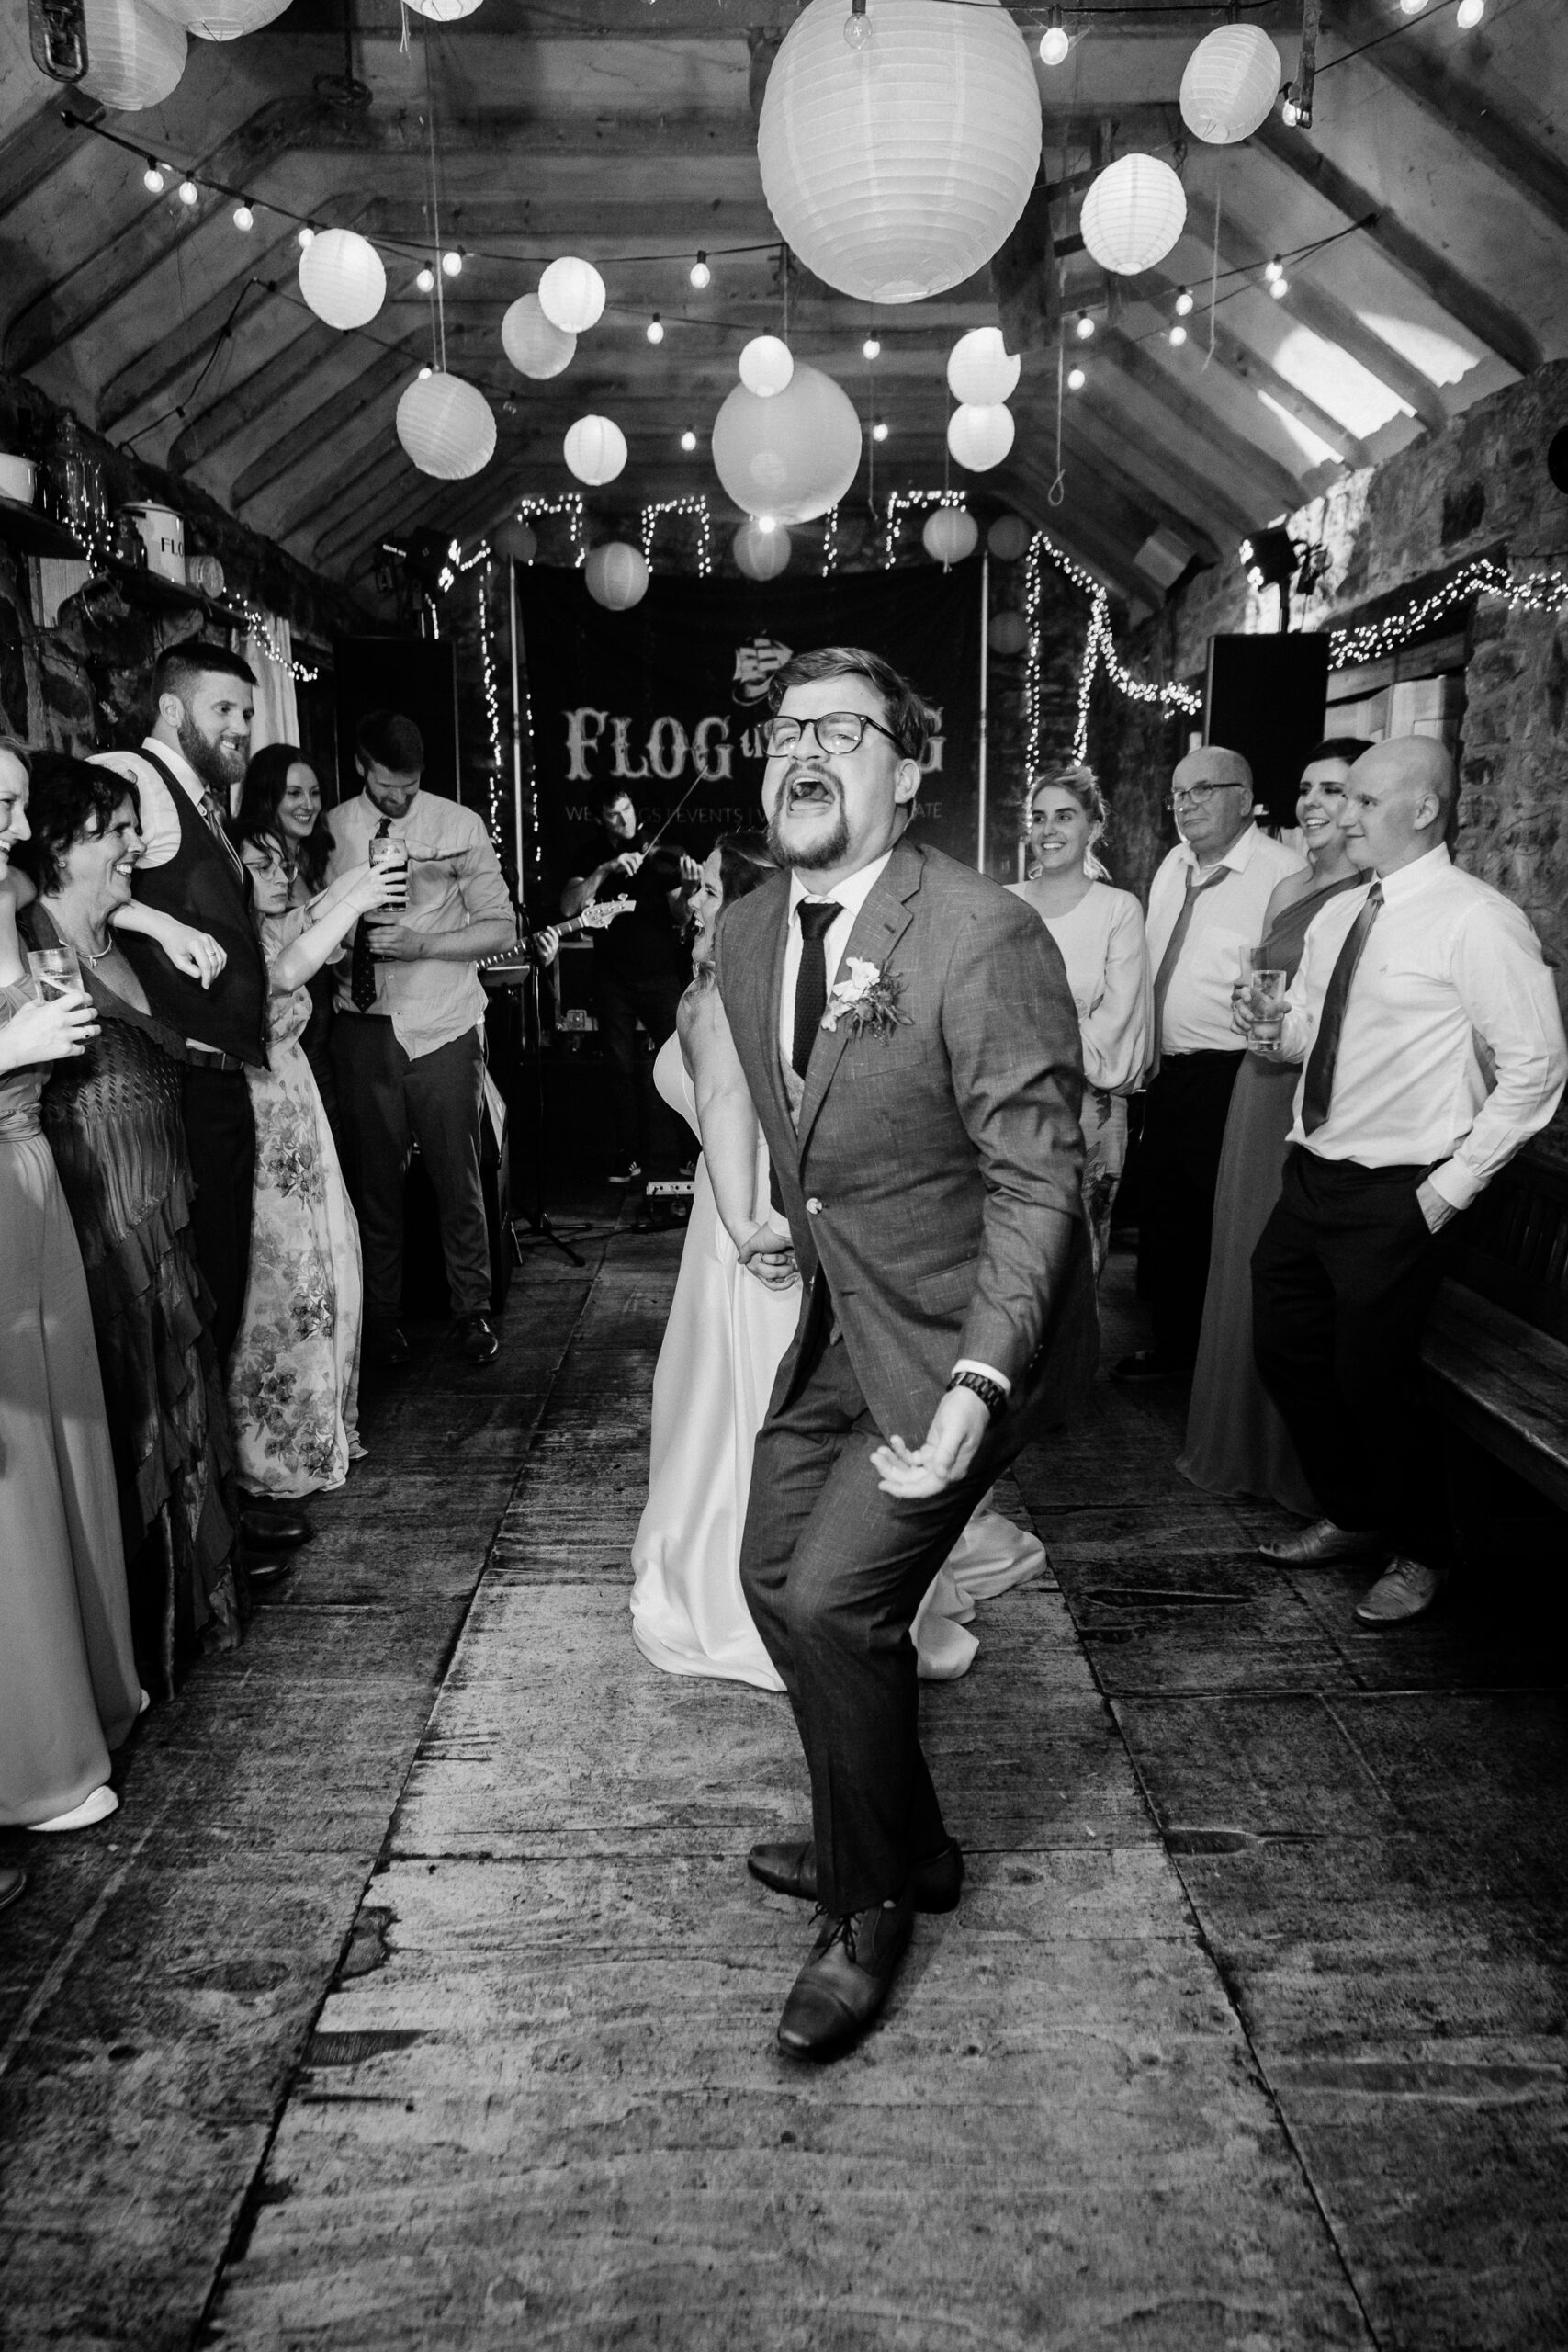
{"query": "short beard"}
[(828, 852), (209, 762)]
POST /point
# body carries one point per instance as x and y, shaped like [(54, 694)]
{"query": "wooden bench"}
[(1496, 1352)]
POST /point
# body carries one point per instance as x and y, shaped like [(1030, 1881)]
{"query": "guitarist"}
[(408, 1043), (640, 968)]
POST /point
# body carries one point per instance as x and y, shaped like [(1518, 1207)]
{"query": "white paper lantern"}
[(950, 534), (980, 369), (897, 169), (514, 542), (1134, 213), (447, 426), (1231, 80), (595, 450), (791, 457), (766, 366), (135, 55), (1009, 537), (571, 294), (980, 437), (1008, 633), (761, 555), (222, 19), (445, 12), (534, 344), (616, 576), (342, 278)]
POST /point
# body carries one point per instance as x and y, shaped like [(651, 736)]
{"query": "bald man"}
[(1207, 904), (1399, 1124)]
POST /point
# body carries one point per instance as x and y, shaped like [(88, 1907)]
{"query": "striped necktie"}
[(213, 817), (1176, 942)]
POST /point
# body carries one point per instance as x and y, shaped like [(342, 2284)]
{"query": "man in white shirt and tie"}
[(1206, 904), (1403, 988)]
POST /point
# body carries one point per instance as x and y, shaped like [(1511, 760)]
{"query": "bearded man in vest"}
[(185, 774)]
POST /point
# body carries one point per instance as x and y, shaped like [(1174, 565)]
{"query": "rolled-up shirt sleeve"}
[(482, 882)]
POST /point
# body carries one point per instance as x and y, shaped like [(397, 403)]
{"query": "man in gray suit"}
[(912, 1052)]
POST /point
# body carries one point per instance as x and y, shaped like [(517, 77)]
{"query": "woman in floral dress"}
[(294, 1375)]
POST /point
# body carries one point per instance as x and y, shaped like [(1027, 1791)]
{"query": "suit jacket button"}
[(814, 1206)]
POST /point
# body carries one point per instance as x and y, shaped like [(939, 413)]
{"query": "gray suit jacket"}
[(920, 1182)]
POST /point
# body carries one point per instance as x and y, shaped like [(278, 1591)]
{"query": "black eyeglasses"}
[(837, 733), (1202, 792)]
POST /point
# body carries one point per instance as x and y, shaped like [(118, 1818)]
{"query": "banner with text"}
[(669, 701)]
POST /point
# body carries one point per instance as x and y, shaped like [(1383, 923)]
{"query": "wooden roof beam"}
[(1240, 360), (318, 434)]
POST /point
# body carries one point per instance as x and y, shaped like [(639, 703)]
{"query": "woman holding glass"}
[(280, 800), (1236, 1443), (1100, 931)]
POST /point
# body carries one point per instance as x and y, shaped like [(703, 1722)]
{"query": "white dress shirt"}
[(1448, 960), (160, 817), (1226, 918)]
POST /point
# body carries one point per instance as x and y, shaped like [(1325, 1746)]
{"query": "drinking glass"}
[(1266, 1003), (55, 971)]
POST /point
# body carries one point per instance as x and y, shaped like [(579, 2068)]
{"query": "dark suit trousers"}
[(645, 1129), (1342, 1280), (388, 1104), (220, 1136), (1178, 1161), (833, 1571)]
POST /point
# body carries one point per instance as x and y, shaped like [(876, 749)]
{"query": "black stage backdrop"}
[(665, 700)]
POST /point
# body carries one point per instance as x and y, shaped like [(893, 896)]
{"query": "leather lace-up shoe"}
[(387, 1349), (1321, 1544), (1148, 1363), (477, 1339), (273, 1527), (790, 1869), (1405, 1589), (842, 1986), (13, 1879)]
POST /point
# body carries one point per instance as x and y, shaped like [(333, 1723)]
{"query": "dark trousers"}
[(388, 1104), (833, 1572), (645, 1130), (1178, 1168), (1342, 1280), (220, 1136)]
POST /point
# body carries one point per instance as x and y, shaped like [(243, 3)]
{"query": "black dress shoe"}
[(1149, 1364), (477, 1339), (934, 1886), (1317, 1546), (273, 1527), (842, 1986), (387, 1350), (13, 1879), (261, 1567)]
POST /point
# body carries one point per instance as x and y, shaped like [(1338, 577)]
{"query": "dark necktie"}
[(1173, 948), (816, 918), (362, 963), (1318, 1091), (212, 814)]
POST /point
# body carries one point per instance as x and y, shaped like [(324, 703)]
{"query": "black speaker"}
[(1267, 698), (415, 676)]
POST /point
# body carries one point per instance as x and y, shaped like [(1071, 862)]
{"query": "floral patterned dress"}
[(294, 1377)]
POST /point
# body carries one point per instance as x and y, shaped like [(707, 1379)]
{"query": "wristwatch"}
[(991, 1393)]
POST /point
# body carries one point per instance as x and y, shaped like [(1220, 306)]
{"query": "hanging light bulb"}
[(655, 329), (422, 374), (1183, 302), (1411, 7), (188, 192), (857, 25), (1289, 111), (1085, 326), (307, 237), (1177, 334), (1469, 15), (452, 265), (152, 178), (425, 281), (688, 442), (701, 274), (871, 348), (1279, 286), (769, 523), (1054, 44), (1274, 270), (244, 219), (879, 430), (1076, 380)]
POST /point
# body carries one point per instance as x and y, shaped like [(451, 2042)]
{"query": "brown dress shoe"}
[(1317, 1546), (842, 1986), (790, 1869), (1405, 1589)]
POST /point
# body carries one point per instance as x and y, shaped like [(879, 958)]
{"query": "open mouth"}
[(808, 794)]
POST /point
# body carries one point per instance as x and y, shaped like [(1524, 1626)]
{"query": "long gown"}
[(68, 1683), (114, 1122), (722, 1347), (294, 1375), (1236, 1443)]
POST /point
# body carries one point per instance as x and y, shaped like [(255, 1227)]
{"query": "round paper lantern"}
[(1008, 633), (1134, 213), (616, 576), (342, 278), (761, 555), (1231, 80), (445, 12), (222, 19), (791, 457), (980, 437), (514, 543), (766, 366), (897, 169), (595, 450), (447, 426), (980, 369), (135, 55), (1009, 537), (534, 346), (950, 534), (571, 294)]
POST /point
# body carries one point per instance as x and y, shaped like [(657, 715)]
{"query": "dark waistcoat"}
[(198, 885)]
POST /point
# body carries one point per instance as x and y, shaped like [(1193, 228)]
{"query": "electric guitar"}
[(507, 964)]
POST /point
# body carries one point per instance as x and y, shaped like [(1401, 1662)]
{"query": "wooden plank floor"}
[(1250, 2032)]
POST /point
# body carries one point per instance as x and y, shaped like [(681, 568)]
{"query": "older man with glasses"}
[(1206, 904)]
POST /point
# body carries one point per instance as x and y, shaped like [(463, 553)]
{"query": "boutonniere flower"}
[(866, 999)]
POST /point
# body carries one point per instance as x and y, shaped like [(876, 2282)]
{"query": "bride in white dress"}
[(727, 1331)]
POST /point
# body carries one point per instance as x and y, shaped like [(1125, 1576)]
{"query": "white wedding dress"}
[(722, 1347)]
